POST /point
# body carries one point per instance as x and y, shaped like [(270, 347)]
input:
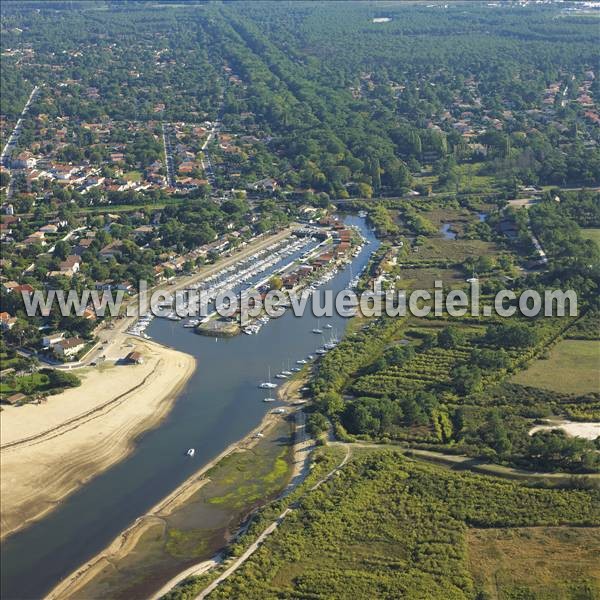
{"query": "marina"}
[(221, 403)]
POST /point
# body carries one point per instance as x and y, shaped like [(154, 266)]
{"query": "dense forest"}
[(157, 136), (334, 101)]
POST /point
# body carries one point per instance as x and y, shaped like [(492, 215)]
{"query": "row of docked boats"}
[(300, 363), (140, 326), (244, 270)]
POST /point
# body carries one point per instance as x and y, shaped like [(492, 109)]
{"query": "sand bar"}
[(50, 450)]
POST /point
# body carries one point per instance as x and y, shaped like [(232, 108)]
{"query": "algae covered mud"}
[(192, 524), (220, 404)]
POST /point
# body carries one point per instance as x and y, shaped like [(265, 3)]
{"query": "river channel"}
[(220, 404)]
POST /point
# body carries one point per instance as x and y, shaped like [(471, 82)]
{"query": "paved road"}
[(168, 158), (205, 156), (12, 142), (14, 136)]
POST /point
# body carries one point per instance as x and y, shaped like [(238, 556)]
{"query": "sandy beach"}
[(51, 449), (48, 451)]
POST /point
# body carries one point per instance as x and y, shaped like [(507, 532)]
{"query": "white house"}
[(68, 347), (51, 339)]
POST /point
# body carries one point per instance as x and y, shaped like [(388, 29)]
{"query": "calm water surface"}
[(220, 404)]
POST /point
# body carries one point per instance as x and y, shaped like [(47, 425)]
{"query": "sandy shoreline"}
[(50, 450), (125, 541)]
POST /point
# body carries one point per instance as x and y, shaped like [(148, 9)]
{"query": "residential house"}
[(322, 260), (112, 250), (83, 245), (89, 314), (266, 184), (143, 230), (68, 347), (23, 289), (134, 358), (5, 231), (125, 286), (9, 286), (70, 265), (49, 228), (290, 280), (37, 237), (10, 219), (7, 321), (15, 399), (23, 160), (63, 172), (52, 338)]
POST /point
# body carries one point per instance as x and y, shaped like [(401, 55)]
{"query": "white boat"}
[(281, 376), (191, 452), (267, 385), (286, 372), (317, 329), (269, 399), (302, 361), (329, 326)]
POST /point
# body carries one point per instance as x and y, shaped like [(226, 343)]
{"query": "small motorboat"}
[(191, 452)]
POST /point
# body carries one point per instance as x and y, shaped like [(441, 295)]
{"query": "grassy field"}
[(14, 362), (424, 277), (133, 176), (452, 250), (27, 384), (471, 179), (546, 561), (591, 233), (572, 368), (459, 216)]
